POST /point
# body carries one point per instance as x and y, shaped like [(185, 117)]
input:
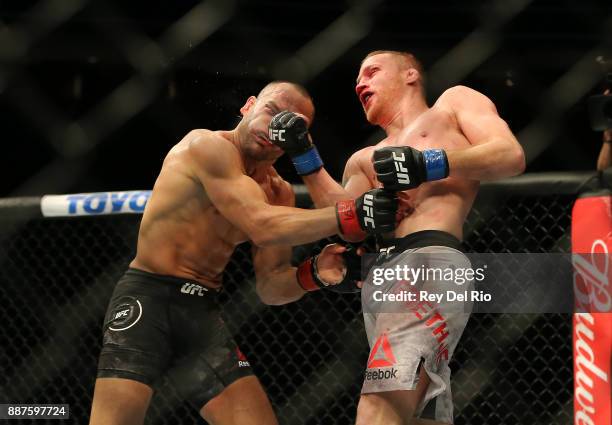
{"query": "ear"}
[(412, 76), (248, 105)]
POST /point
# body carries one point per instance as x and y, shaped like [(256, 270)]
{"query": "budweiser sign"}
[(591, 381), (592, 335), (592, 279)]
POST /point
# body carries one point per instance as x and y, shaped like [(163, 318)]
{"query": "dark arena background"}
[(94, 93)]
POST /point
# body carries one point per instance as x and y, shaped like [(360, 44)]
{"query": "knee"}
[(212, 411), (368, 405), (222, 403), (119, 401), (242, 402)]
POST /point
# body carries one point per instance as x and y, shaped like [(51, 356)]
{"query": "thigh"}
[(408, 338), (119, 401), (242, 402), (136, 333), (207, 359)]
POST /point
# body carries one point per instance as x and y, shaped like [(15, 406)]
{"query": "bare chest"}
[(435, 129)]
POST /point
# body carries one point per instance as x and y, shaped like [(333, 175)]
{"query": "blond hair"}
[(408, 57)]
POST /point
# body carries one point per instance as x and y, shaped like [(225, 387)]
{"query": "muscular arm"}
[(325, 191), (243, 203), (495, 152), (276, 282)]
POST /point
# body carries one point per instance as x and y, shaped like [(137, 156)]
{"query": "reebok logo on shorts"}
[(380, 374), (381, 356), (242, 360)]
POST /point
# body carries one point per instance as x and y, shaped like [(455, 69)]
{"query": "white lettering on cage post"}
[(99, 203)]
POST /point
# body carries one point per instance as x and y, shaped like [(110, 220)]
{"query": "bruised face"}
[(381, 83), (258, 113)]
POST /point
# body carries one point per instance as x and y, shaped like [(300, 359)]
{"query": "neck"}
[(252, 167), (409, 109), (257, 169)]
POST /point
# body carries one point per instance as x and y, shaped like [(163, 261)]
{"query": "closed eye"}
[(272, 107)]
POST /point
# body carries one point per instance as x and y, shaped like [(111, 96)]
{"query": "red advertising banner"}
[(592, 329)]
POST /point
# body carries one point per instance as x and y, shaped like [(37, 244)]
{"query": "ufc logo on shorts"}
[(191, 289), (276, 135), (122, 313), (387, 251), (368, 207), (402, 172)]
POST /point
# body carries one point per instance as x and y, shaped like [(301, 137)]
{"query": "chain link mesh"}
[(57, 275)]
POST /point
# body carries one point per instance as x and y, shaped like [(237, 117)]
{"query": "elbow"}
[(518, 162), (268, 300), (510, 160), (266, 296)]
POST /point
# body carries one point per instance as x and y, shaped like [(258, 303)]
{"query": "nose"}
[(360, 87)]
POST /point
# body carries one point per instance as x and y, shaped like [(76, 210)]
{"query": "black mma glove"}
[(353, 273), (402, 168), (308, 276), (289, 132), (372, 212)]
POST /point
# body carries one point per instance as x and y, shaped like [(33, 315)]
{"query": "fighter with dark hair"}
[(217, 189)]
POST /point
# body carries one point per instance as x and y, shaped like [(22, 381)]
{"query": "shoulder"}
[(458, 92), (359, 163), (362, 155), (211, 150), (459, 97), (202, 140)]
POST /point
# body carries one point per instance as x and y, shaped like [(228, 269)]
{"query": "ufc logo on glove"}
[(402, 176), (368, 204), (276, 135)]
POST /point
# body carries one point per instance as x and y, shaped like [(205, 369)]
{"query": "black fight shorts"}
[(162, 324)]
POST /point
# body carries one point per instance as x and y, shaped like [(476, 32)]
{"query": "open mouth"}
[(365, 97)]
